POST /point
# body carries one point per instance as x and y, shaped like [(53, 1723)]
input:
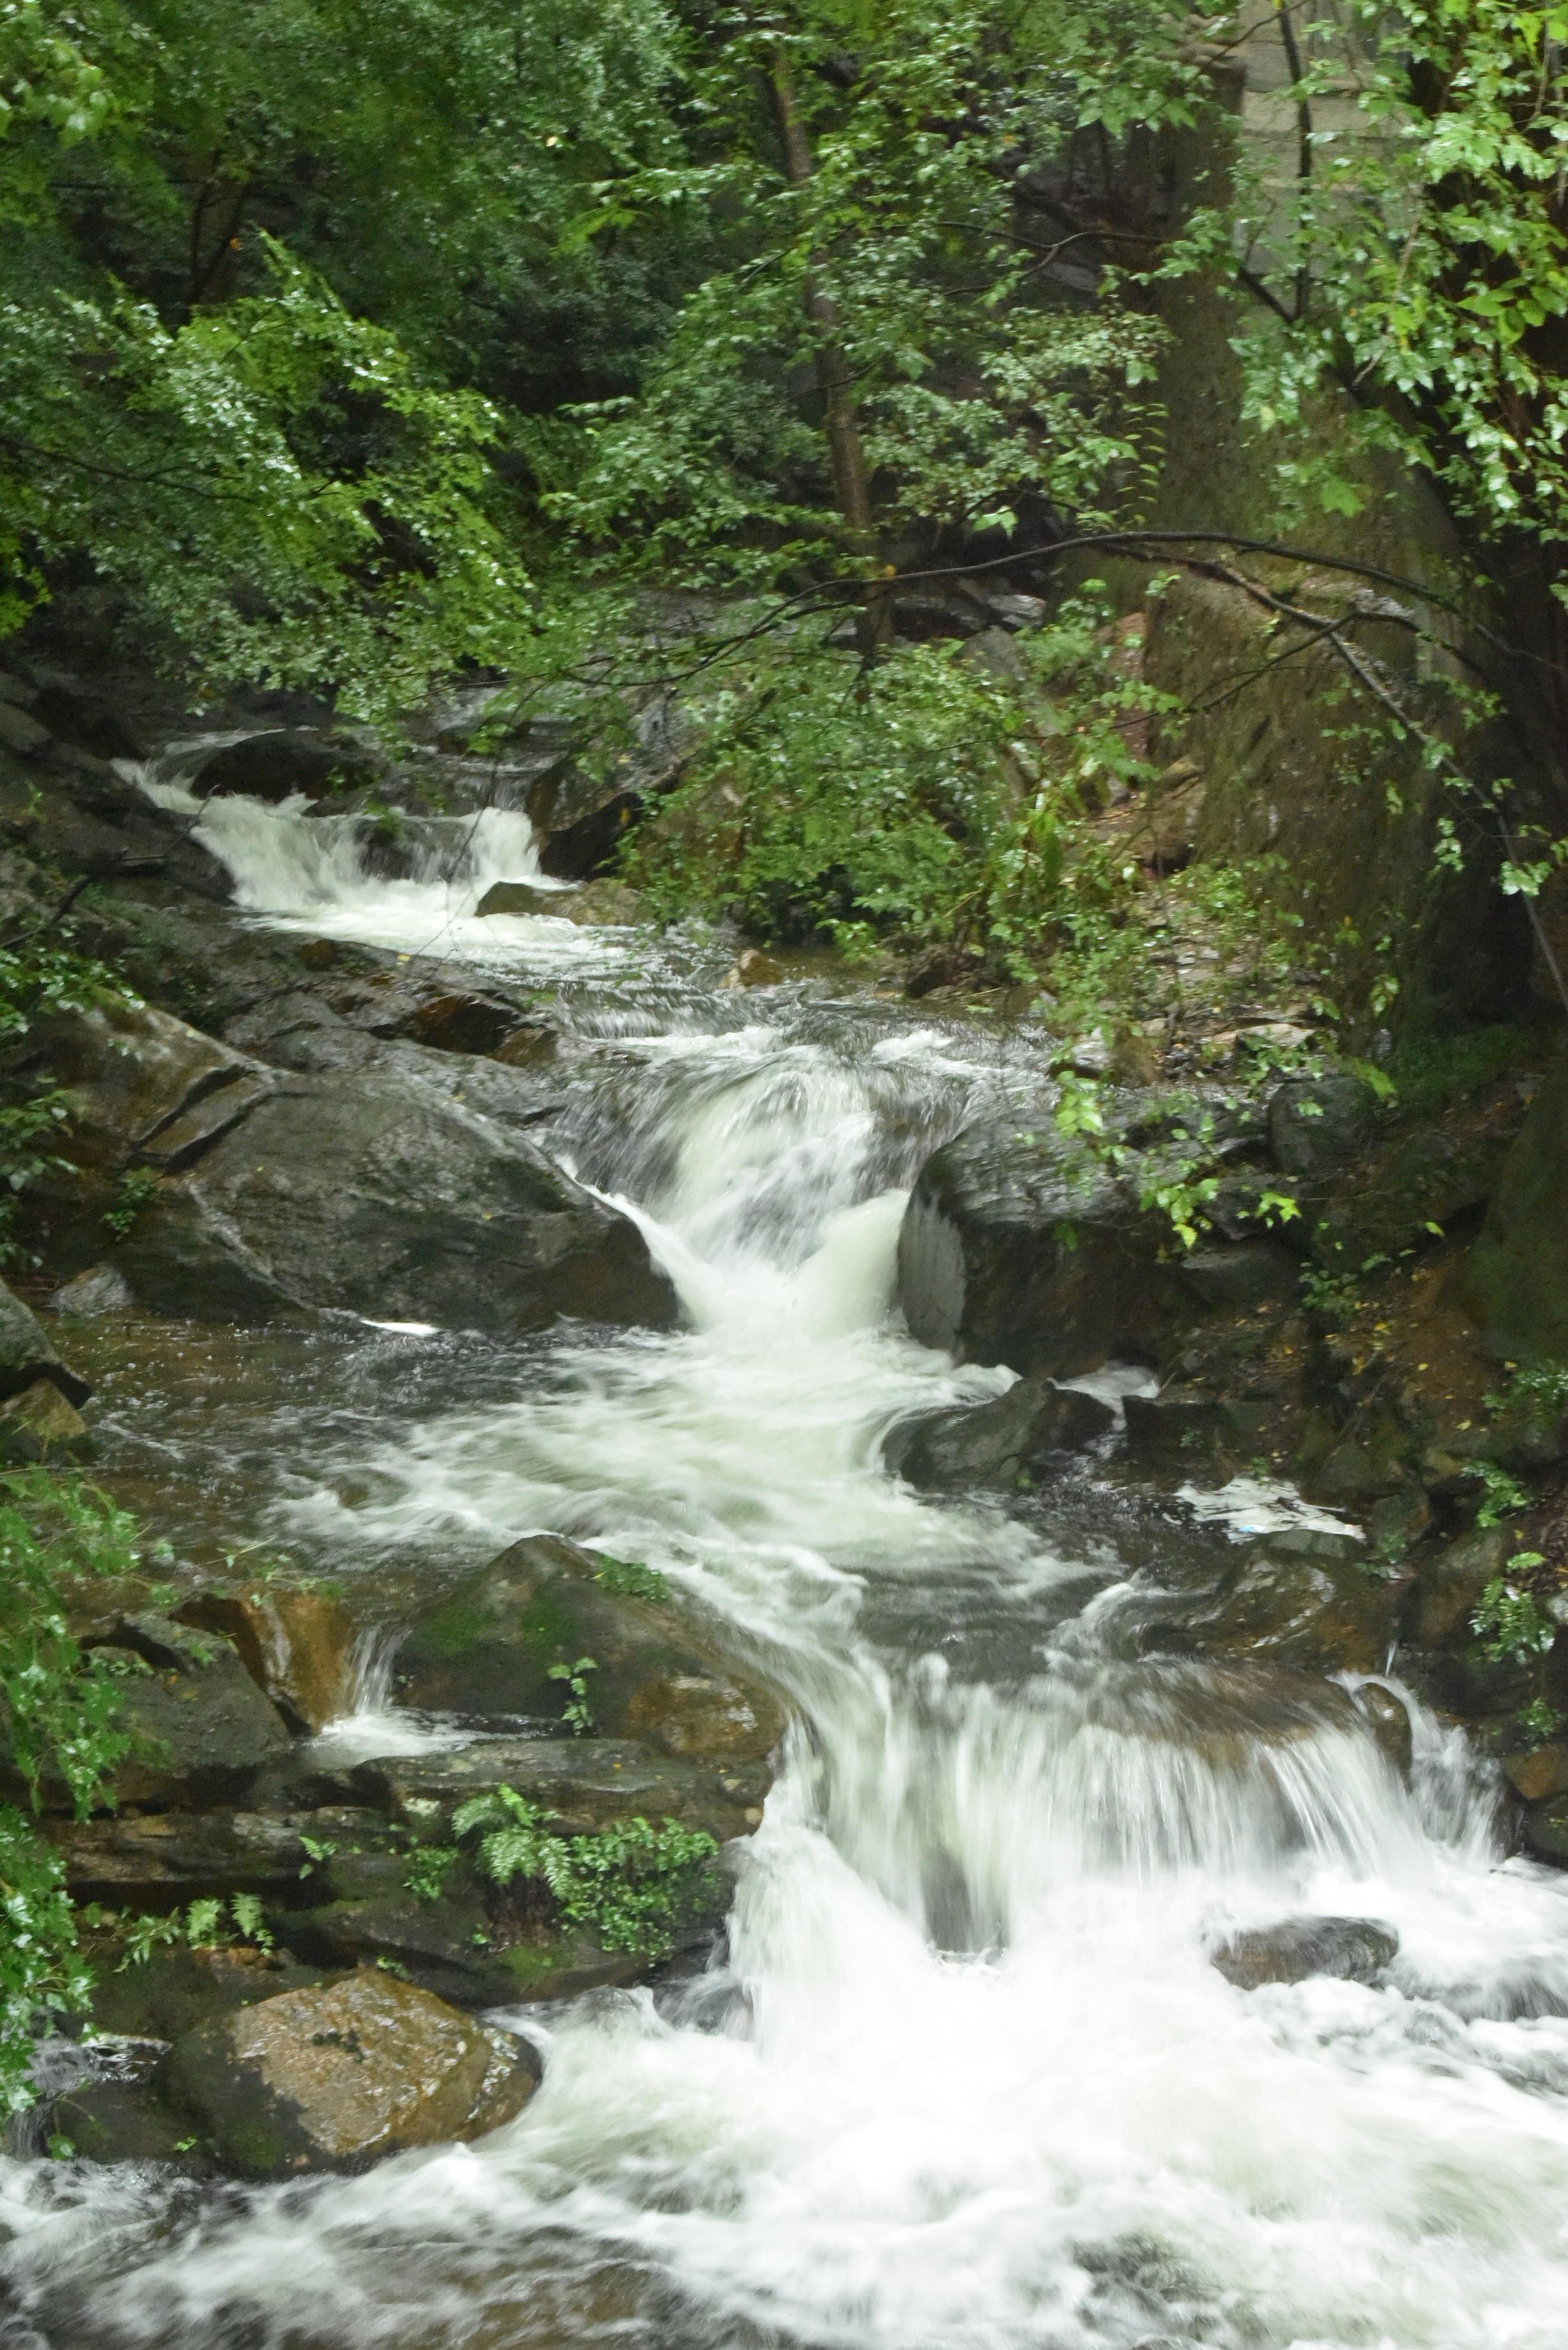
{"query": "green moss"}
[(1429, 1072)]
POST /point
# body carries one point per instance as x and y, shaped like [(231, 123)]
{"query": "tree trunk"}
[(848, 458)]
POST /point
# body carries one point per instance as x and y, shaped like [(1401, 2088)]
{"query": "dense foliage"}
[(59, 1718), (354, 341)]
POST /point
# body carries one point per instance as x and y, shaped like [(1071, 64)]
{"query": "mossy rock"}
[(493, 1647)]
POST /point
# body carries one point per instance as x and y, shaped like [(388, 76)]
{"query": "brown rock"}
[(1351, 1950), (754, 969), (296, 1644), (336, 2079), (40, 1424), (1537, 1775)]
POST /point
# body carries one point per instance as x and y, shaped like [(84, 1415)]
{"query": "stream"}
[(965, 2078)]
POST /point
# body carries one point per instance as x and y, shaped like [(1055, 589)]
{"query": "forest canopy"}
[(343, 336)]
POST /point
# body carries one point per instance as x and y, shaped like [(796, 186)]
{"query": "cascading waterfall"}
[(969, 2081)]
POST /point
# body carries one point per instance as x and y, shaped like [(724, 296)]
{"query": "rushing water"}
[(968, 2081)]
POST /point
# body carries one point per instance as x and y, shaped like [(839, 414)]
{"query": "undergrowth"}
[(60, 1716), (631, 1885)]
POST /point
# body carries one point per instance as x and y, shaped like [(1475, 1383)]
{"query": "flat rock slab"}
[(583, 1784), (337, 2078), (149, 1859)]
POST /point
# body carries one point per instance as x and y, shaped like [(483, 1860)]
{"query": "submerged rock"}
[(521, 897), (337, 2078), (497, 1646), (1005, 1442), (1351, 1949)]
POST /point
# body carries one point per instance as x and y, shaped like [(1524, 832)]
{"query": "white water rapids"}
[(969, 2081)]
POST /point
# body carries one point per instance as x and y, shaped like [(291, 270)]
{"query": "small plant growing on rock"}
[(1510, 1624), (428, 1871), (1530, 1387), (1502, 1495), (135, 1188), (576, 1714), (626, 1580), (629, 1884)]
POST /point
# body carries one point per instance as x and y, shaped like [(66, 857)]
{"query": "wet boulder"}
[(501, 1643), (1007, 1443), (521, 897), (1351, 1949), (39, 1425), (392, 1200), (1020, 1248), (279, 761), (156, 1860), (338, 2078), (437, 1921), (200, 1726), (142, 1086), (1050, 1250), (1302, 1599), (295, 1644), (183, 1985)]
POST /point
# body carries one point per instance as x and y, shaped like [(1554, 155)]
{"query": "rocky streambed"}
[(973, 1691)]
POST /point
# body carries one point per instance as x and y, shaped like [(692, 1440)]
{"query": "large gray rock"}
[(200, 1727), (492, 1646), (141, 1085), (337, 2077), (380, 1194), (1516, 1282), (1013, 1439), (1018, 1247)]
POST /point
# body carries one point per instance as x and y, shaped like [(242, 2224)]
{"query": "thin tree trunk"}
[(848, 458)]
